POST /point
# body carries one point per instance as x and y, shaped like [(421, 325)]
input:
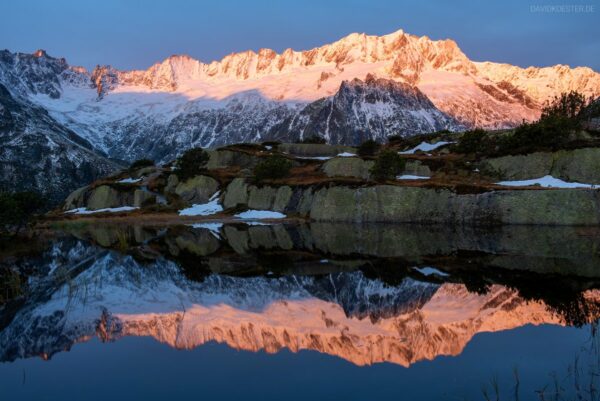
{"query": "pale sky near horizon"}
[(137, 33)]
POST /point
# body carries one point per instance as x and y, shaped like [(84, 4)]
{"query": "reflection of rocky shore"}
[(349, 313), (235, 248)]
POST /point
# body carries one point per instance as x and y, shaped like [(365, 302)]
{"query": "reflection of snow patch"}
[(411, 177), (260, 214), (84, 210), (214, 228), (425, 147), (547, 181), (430, 271), (129, 180), (204, 209)]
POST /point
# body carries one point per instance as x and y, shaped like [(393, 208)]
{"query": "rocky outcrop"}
[(385, 203), (230, 158), (105, 196), (313, 149), (198, 189), (399, 204), (416, 167), (348, 167), (578, 165)]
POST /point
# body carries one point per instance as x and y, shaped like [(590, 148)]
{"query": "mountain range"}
[(356, 88)]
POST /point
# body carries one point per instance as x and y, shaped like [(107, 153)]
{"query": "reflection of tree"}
[(563, 296)]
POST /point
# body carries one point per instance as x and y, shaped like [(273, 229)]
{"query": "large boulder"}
[(198, 189), (521, 167), (230, 158), (579, 165), (269, 198), (348, 167), (314, 150), (172, 182), (77, 198), (104, 196), (143, 197), (416, 167), (236, 193)]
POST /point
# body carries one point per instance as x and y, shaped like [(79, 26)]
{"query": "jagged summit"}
[(181, 102)]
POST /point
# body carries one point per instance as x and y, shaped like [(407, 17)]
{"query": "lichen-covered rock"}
[(144, 171), (348, 167), (269, 198), (236, 193), (521, 167), (172, 182), (385, 203), (314, 150), (282, 198), (578, 165), (198, 189), (105, 196), (416, 167), (230, 158), (143, 198), (76, 198)]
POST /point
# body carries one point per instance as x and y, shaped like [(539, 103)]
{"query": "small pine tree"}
[(368, 148), (272, 167), (191, 163), (387, 165)]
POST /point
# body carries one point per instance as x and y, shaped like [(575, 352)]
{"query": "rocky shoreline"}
[(331, 183)]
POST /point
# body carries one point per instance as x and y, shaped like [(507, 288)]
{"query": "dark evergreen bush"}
[(472, 142), (272, 167), (18, 209), (141, 163), (314, 139), (387, 165), (368, 148), (191, 163)]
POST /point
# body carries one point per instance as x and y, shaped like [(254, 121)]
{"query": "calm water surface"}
[(321, 311)]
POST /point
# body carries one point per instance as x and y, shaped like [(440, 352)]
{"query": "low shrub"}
[(140, 163), (474, 141), (272, 167), (191, 163), (315, 139), (368, 148), (18, 209), (388, 165)]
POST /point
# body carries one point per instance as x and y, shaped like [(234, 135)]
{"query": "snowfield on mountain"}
[(359, 87)]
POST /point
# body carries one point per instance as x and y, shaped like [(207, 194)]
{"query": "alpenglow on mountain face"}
[(357, 88)]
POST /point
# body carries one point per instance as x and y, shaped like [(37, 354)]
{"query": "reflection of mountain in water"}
[(347, 313)]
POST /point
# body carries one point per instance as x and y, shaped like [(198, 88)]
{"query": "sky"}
[(134, 34)]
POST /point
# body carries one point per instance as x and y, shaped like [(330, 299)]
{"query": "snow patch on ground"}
[(84, 210), (546, 181), (411, 177), (425, 147), (314, 157), (260, 214), (204, 209), (129, 180), (346, 154)]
